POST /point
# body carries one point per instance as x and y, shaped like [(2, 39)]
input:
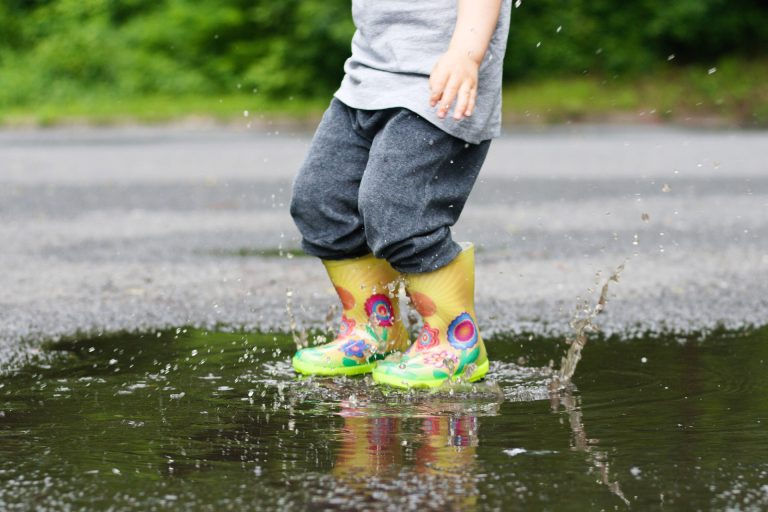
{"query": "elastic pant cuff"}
[(434, 258), (328, 254)]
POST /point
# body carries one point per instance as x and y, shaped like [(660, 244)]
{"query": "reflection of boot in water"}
[(368, 447), (447, 452), (581, 443)]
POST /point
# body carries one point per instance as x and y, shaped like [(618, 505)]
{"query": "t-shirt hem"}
[(384, 103)]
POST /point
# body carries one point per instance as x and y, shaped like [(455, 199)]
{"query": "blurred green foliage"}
[(610, 37), (59, 50)]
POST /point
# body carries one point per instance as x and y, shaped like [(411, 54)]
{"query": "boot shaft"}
[(441, 295), (367, 288)]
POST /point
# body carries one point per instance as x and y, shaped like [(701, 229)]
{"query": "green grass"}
[(735, 94), (103, 110)]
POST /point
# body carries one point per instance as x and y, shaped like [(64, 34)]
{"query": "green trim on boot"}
[(414, 376)]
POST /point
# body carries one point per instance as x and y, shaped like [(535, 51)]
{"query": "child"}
[(388, 172)]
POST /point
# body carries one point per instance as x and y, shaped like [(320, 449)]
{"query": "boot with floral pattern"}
[(370, 322), (449, 345)]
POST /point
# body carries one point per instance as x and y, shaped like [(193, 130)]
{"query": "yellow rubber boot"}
[(449, 345), (370, 323)]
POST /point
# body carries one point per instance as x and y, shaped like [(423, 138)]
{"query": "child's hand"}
[(454, 77)]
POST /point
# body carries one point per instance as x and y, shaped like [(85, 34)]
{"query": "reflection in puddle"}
[(441, 450), (581, 443), (437, 442)]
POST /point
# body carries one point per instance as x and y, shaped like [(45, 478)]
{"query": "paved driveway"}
[(114, 229)]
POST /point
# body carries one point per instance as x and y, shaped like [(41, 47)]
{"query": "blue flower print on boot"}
[(355, 348)]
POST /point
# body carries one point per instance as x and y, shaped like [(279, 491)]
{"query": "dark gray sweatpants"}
[(385, 182)]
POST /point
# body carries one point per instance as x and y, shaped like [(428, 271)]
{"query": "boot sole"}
[(310, 369), (396, 382)]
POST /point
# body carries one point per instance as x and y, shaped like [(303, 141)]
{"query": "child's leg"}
[(449, 345), (325, 208), (414, 188), (325, 191)]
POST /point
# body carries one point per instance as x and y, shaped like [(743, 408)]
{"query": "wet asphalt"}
[(105, 230)]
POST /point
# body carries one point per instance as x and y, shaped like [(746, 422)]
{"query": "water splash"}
[(300, 336), (331, 317), (582, 326)]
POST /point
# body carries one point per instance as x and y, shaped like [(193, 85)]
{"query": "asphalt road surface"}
[(104, 230)]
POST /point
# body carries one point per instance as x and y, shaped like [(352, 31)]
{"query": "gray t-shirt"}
[(395, 46)]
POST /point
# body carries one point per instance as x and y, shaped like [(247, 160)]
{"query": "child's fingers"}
[(435, 98), (471, 103), (437, 85), (449, 94), (462, 100), (436, 94)]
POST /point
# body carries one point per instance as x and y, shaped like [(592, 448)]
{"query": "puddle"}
[(189, 420)]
